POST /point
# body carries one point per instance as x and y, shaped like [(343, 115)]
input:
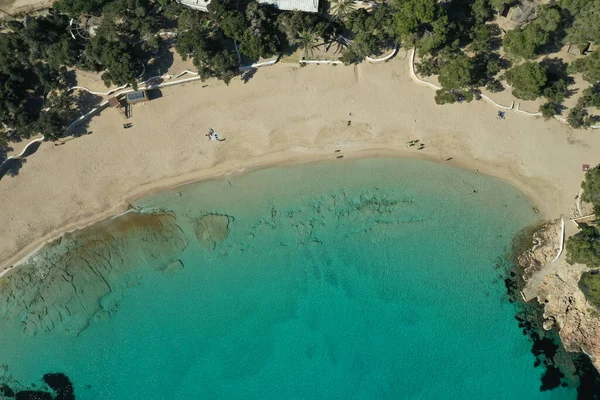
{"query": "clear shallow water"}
[(378, 278)]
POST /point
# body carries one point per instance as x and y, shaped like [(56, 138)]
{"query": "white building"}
[(291, 5), (200, 5), (286, 5)]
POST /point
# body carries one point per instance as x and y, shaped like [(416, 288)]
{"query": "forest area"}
[(457, 40)]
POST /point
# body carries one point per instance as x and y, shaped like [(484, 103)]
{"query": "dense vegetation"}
[(456, 40), (590, 286), (584, 246)]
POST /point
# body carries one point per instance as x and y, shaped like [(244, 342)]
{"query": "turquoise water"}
[(377, 278)]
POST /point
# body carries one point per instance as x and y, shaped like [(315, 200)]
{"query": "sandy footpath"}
[(283, 114)]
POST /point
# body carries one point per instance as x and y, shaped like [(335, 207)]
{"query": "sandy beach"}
[(283, 114)]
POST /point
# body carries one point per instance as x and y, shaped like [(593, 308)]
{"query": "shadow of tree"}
[(159, 62), (557, 69), (86, 102), (248, 74), (4, 152), (12, 167)]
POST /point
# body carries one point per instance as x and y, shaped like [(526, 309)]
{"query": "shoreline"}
[(284, 115), (288, 158)]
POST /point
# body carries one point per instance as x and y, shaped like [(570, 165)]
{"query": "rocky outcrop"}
[(546, 242), (82, 276), (211, 229), (578, 322)]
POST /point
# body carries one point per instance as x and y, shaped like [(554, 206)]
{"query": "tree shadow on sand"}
[(12, 167)]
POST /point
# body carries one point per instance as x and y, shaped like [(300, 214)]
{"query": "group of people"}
[(212, 135), (413, 143)]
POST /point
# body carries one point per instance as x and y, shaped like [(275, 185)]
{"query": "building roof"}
[(290, 5), (135, 97), (201, 5)]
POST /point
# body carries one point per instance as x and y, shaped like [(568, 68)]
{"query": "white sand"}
[(283, 114)]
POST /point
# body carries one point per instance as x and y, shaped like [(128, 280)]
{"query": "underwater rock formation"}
[(211, 229), (82, 275)]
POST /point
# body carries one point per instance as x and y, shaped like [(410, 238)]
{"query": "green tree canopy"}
[(528, 80), (591, 188), (584, 246), (77, 7), (589, 66), (457, 72), (526, 43), (590, 286), (372, 31), (199, 39), (298, 27), (586, 26), (341, 9), (413, 17)]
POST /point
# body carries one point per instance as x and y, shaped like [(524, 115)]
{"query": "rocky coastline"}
[(563, 326)]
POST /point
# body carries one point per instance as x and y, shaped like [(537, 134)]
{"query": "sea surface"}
[(361, 279)]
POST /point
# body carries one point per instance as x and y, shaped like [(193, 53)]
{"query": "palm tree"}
[(307, 41), (342, 8)]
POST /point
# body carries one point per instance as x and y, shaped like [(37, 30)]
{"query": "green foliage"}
[(414, 17), (586, 26), (31, 59), (53, 122), (579, 118), (483, 37), (482, 11), (305, 30), (589, 66), (115, 58), (556, 91), (457, 72), (437, 36), (77, 7), (590, 97), (590, 286), (445, 96), (500, 4), (521, 43), (233, 24), (427, 67), (372, 31), (528, 80), (494, 86), (526, 43), (591, 188), (341, 9), (574, 7), (199, 39), (550, 109), (584, 246)]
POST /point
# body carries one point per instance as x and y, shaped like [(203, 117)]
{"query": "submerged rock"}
[(174, 266), (211, 229), (85, 273)]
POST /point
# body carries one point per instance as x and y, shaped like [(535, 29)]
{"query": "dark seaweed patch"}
[(59, 383), (33, 395), (5, 391)]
